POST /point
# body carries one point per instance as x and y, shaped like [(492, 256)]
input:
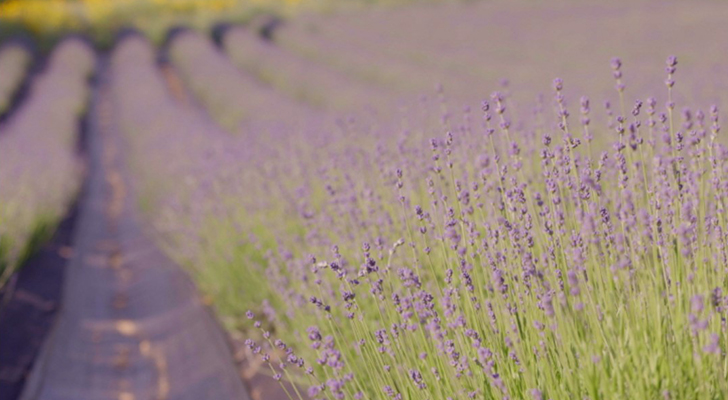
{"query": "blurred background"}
[(49, 19)]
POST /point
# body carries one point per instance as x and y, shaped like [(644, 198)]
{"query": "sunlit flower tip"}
[(417, 379), (536, 394), (558, 84), (616, 63), (584, 101), (485, 106), (637, 107), (249, 314)]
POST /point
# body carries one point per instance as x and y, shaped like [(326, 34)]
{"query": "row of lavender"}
[(199, 187), (309, 82), (233, 99), (507, 254), (185, 167), (41, 171)]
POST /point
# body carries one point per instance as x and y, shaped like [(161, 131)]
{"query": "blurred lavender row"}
[(157, 126), (41, 170), (180, 158), (234, 98), (306, 81), (14, 62)]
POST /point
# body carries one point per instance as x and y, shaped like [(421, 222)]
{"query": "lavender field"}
[(459, 200), (40, 170)]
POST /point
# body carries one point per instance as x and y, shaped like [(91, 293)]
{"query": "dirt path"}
[(131, 325), (29, 305)]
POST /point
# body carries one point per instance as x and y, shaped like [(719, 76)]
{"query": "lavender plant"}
[(40, 170), (545, 256), (516, 263)]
